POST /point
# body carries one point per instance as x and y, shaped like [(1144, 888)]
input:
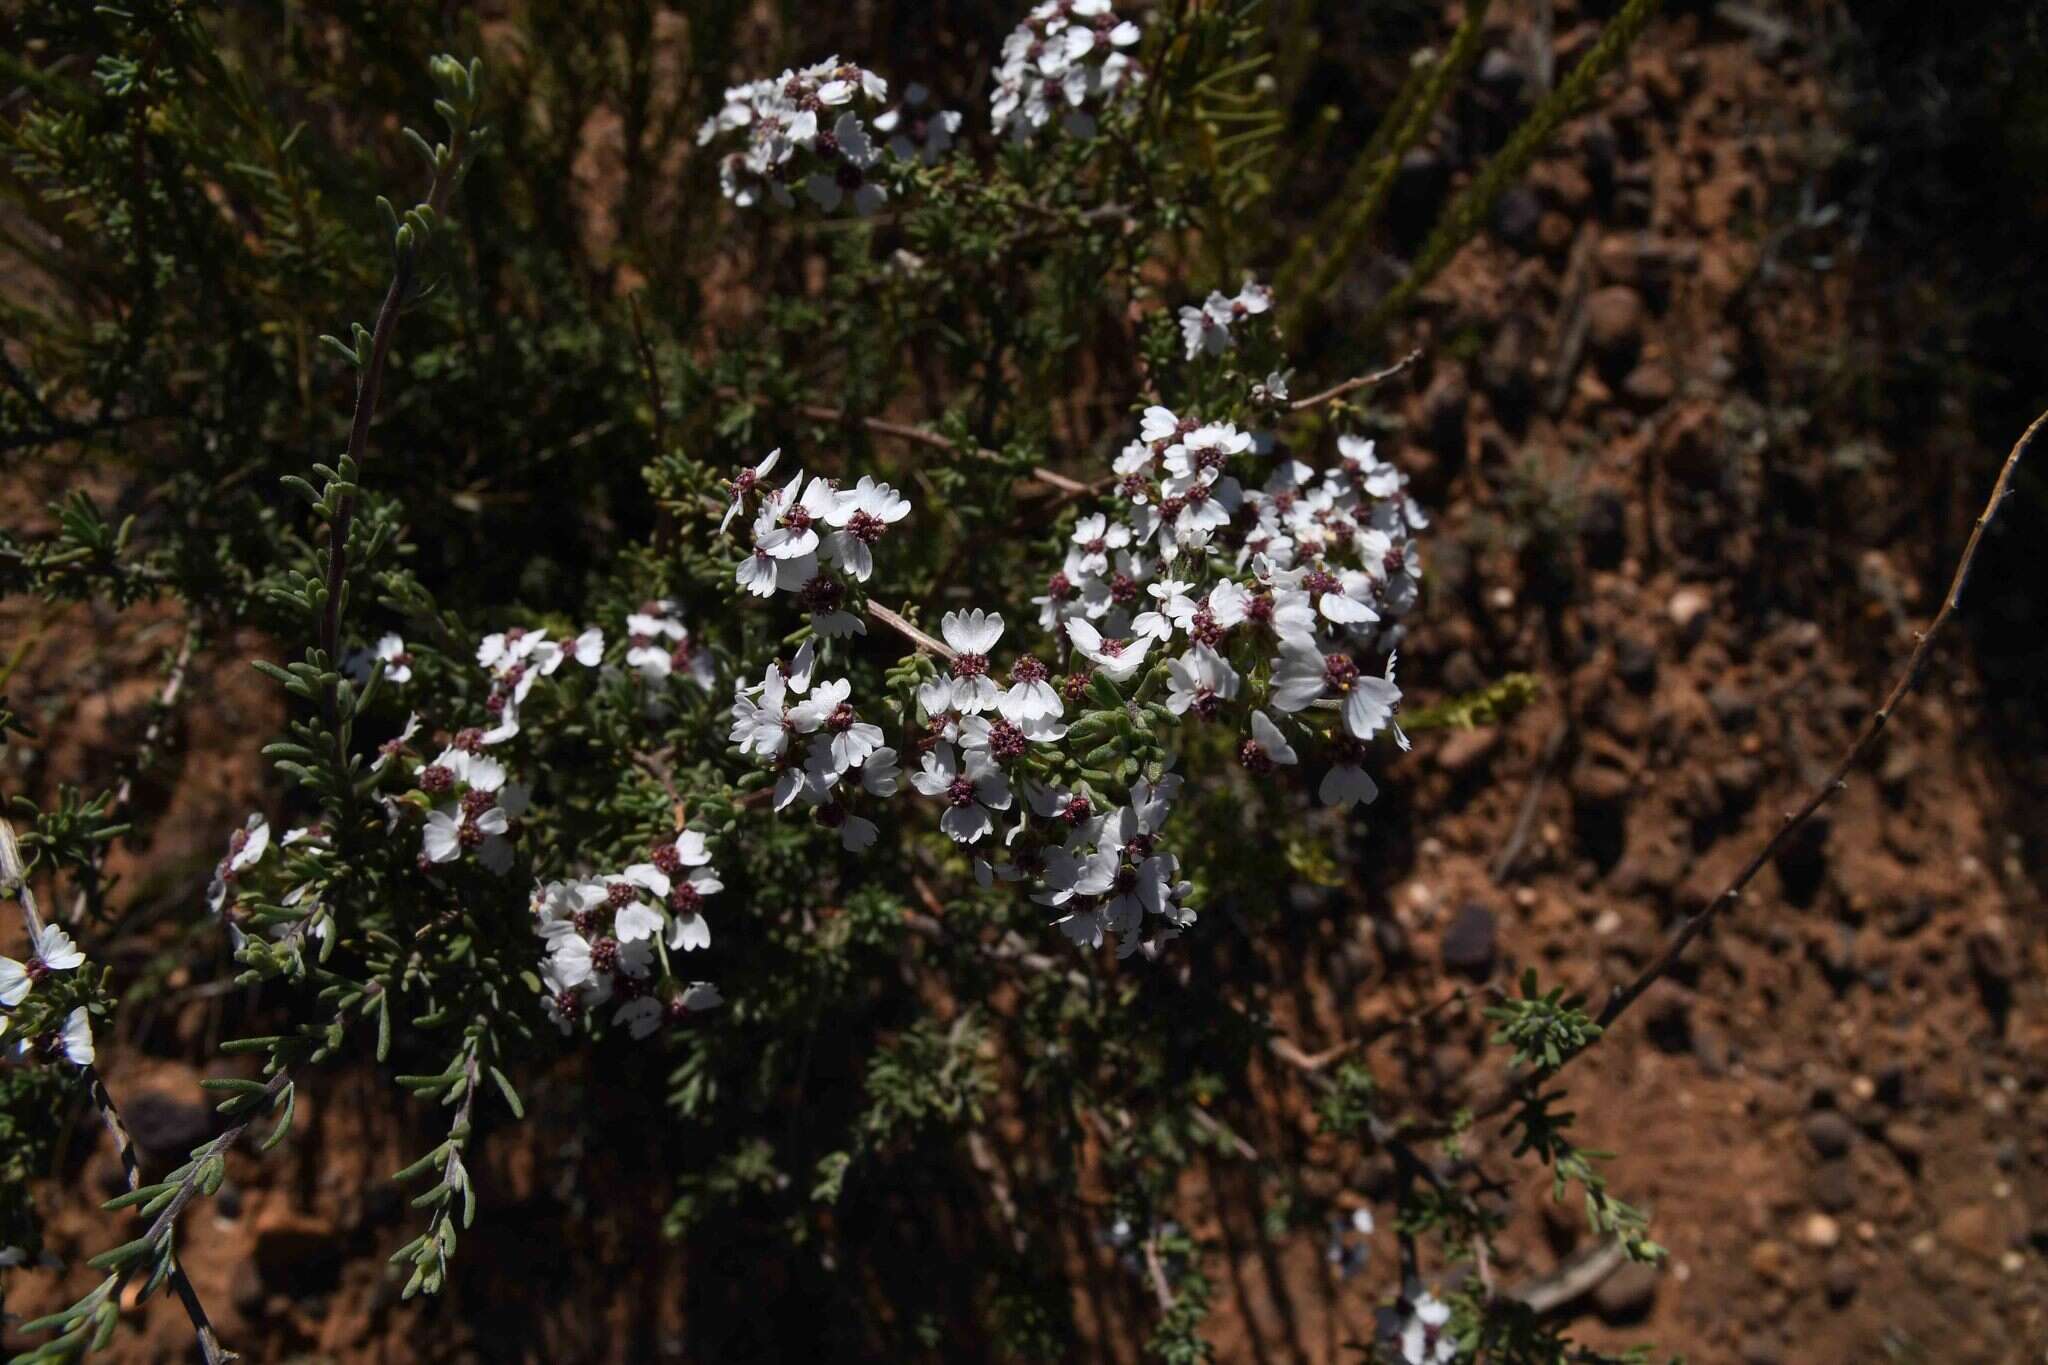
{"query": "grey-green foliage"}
[(217, 203)]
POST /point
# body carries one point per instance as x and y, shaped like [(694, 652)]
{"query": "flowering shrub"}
[(826, 616)]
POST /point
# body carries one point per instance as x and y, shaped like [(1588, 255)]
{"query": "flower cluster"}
[(803, 130), (517, 658), (1206, 330), (660, 646), (803, 521), (814, 741), (1068, 58), (69, 1035), (608, 938)]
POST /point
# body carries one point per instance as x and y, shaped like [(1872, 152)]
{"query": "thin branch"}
[(1835, 780), (902, 626), (1364, 381), (124, 793), (14, 881), (924, 436)]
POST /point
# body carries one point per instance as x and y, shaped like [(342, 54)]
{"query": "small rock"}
[(1468, 748), (1770, 1261), (166, 1126), (1614, 324), (1841, 1280), (1908, 1142), (1603, 528), (1500, 73), (1688, 609), (1833, 1186), (1469, 942), (1820, 1231), (1649, 385), (1635, 662), (1626, 1295), (1830, 1133), (1977, 1230), (1732, 707), (1516, 216)]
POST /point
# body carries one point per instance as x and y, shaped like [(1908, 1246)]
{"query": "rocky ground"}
[(1660, 495)]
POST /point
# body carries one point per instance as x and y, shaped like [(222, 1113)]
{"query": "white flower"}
[(848, 740), (1096, 536), (1423, 1339), (50, 951), (862, 514), (1118, 660), (784, 529), (763, 575), (588, 648), (77, 1038), (857, 157), (879, 775), (972, 634), (971, 792), (700, 995), (397, 663), (1200, 330), (744, 483), (914, 133), (1200, 680), (1031, 695), (1370, 704), (1267, 747), (641, 1016), (1347, 783)]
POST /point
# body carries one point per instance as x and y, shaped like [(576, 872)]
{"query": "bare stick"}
[(1835, 780), (125, 792), (1364, 381), (902, 626)]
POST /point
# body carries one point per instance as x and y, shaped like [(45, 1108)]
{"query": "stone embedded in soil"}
[(1469, 943), (1833, 1186), (1516, 216), (1732, 707), (1841, 1280), (1688, 609), (1830, 1133), (1626, 1295), (1603, 528), (1649, 385), (165, 1125), (1820, 1231), (1614, 323), (1635, 662)]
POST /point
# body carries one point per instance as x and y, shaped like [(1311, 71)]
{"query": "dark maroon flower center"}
[(586, 920), (841, 720), (36, 969), (1316, 582), (1204, 629), (569, 1003), (1059, 586), (1123, 590), (960, 791), (475, 803), (470, 740), (619, 895), (1254, 757), (866, 527), (1259, 611), (832, 815), (821, 594), (604, 954), (970, 665), (1006, 741), (666, 860), (685, 899), (1027, 670), (1074, 811), (1340, 671)]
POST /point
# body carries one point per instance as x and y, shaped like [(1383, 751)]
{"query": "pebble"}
[(1841, 1280), (1469, 943), (1688, 607), (1614, 320), (1830, 1133), (1820, 1231), (1626, 1295)]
